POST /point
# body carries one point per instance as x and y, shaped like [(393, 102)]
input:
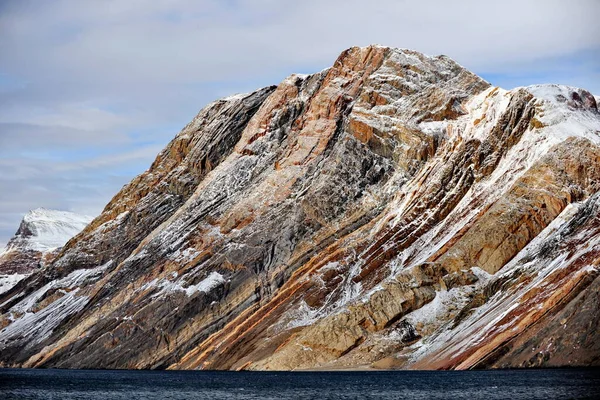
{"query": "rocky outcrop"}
[(392, 211)]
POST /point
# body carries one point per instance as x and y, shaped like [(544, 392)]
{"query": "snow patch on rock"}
[(209, 283), (28, 322), (7, 282)]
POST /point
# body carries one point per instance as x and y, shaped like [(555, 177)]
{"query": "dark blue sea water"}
[(130, 385)]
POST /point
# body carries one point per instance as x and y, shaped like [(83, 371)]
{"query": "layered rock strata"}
[(392, 211)]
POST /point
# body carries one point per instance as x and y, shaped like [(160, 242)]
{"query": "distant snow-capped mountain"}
[(45, 230), (40, 236)]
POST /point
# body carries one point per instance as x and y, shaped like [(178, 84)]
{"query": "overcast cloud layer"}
[(90, 91)]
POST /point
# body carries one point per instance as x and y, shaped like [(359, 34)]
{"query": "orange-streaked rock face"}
[(391, 211)]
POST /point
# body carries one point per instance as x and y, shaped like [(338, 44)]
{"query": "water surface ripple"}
[(131, 385)]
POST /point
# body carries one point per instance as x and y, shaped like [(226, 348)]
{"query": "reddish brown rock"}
[(392, 211)]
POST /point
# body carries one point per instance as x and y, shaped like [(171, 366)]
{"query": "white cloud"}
[(182, 41)]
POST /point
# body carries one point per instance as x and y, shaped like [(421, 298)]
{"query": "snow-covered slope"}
[(7, 282), (45, 230), (41, 234)]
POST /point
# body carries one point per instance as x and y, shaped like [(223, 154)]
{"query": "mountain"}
[(37, 242), (392, 211)]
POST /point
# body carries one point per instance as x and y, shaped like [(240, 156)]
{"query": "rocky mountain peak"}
[(394, 210)]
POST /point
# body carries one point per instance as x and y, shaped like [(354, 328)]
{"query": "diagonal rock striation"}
[(392, 211)]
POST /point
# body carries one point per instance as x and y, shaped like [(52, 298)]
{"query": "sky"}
[(91, 91)]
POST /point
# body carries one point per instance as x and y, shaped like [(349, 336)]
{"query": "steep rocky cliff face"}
[(38, 240), (392, 211)]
